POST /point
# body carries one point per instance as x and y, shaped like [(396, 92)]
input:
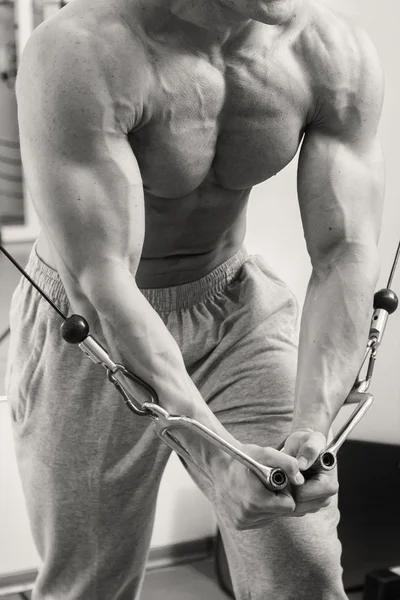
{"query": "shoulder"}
[(344, 69), (85, 60)]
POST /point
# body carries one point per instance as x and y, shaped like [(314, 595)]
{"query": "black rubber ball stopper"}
[(75, 329), (387, 300)]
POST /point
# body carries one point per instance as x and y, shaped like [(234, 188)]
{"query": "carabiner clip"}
[(138, 409), (362, 385), (75, 330)]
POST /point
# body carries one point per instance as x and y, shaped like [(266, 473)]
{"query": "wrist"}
[(203, 451), (319, 427), (311, 417)]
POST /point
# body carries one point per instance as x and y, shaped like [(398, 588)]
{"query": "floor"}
[(195, 581), (184, 582)]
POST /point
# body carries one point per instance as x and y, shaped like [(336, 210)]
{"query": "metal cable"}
[(5, 335), (396, 260)]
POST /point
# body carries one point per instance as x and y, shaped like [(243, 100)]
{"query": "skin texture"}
[(218, 15), (142, 135)]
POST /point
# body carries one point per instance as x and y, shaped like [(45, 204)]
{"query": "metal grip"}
[(97, 353), (274, 479), (327, 460), (378, 325)]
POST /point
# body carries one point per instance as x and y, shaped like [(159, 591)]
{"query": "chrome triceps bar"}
[(364, 402), (327, 460), (273, 478), (75, 330)]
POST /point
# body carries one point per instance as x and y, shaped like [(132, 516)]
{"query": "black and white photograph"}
[(199, 290)]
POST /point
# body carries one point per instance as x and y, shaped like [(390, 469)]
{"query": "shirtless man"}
[(144, 125)]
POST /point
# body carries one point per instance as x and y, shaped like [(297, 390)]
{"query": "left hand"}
[(316, 493)]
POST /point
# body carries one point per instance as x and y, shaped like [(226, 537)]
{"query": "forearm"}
[(333, 336), (136, 337)]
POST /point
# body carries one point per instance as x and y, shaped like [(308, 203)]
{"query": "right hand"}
[(247, 502)]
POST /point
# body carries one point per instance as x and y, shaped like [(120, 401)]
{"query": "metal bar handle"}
[(274, 479)]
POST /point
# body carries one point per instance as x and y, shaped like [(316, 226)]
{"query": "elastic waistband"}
[(162, 299), (188, 294)]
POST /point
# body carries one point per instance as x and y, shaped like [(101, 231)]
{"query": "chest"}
[(242, 117)]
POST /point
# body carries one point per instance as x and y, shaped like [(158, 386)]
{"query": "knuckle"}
[(309, 448), (243, 516), (301, 496), (334, 489), (285, 508), (240, 524), (291, 466)]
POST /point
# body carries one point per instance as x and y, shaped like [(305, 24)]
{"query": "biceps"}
[(340, 190), (93, 213)]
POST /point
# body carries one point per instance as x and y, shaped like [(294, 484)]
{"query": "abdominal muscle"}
[(185, 238)]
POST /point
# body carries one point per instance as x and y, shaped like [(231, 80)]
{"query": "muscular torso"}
[(213, 126)]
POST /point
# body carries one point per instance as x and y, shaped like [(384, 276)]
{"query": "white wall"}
[(28, 231), (274, 230)]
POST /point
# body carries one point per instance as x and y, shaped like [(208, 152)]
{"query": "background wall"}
[(275, 231), (11, 193)]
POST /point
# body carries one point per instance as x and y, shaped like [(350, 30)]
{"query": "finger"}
[(276, 459), (256, 524), (324, 486), (312, 506), (303, 514), (280, 503), (255, 514), (310, 450), (260, 504), (256, 521)]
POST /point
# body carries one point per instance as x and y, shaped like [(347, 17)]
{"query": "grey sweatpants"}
[(90, 469)]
